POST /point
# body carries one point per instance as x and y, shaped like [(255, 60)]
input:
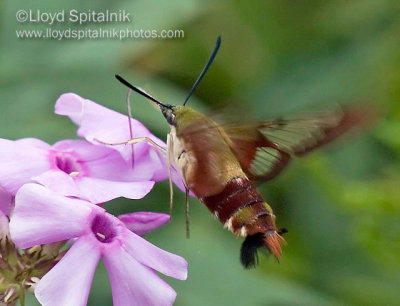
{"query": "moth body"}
[(202, 153)]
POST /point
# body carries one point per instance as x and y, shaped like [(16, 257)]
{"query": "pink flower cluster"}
[(50, 193)]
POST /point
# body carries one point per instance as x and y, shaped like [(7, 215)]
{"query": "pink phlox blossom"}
[(42, 216)]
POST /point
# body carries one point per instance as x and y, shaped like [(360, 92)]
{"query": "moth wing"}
[(259, 158), (264, 149)]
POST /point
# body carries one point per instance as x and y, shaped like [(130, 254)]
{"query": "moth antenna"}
[(141, 92), (128, 104), (203, 72)]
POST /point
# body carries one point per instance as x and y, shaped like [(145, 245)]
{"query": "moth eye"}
[(168, 115), (171, 118)]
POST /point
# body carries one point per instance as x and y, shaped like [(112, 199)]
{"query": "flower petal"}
[(142, 223), (99, 191), (19, 162), (6, 202), (134, 284), (59, 182), (114, 168), (85, 150), (42, 216), (68, 283), (154, 257), (105, 163), (34, 142), (113, 128)]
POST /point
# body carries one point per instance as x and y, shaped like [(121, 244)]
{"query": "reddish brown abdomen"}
[(244, 212)]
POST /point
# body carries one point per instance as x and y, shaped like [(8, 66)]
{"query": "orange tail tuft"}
[(273, 243), (270, 240)]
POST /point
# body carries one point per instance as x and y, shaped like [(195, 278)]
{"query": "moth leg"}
[(133, 141), (170, 146), (187, 213), (171, 189)]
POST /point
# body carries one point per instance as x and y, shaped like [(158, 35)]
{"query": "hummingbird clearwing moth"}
[(220, 164)]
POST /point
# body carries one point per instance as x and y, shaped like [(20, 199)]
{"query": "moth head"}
[(169, 111), (169, 114)]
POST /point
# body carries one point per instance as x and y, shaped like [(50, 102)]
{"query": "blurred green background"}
[(341, 204)]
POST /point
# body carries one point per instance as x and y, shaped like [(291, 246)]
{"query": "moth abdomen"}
[(238, 193), (243, 211), (260, 232), (249, 250)]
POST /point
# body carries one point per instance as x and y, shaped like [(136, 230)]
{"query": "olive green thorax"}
[(185, 116), (208, 150)]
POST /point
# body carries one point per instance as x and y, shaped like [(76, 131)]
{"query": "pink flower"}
[(143, 222), (74, 168), (6, 202), (99, 123), (3, 226), (42, 216)]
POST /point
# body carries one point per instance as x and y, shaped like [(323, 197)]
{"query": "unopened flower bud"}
[(30, 283), (11, 294)]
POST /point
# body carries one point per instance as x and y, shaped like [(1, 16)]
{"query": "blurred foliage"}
[(341, 204)]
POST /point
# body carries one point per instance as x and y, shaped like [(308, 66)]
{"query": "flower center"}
[(103, 229), (67, 163)]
